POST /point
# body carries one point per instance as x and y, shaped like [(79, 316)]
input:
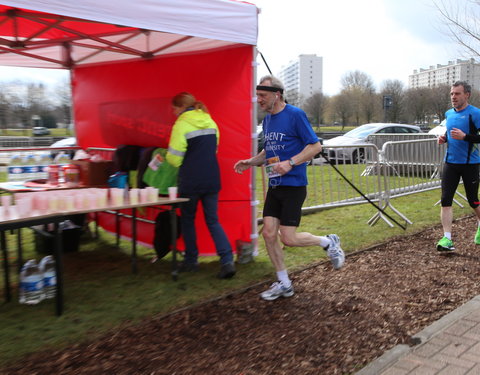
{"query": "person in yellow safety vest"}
[(193, 148)]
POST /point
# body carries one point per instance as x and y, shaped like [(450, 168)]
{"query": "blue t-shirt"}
[(457, 152), (287, 133)]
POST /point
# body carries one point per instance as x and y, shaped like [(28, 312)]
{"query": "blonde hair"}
[(186, 100)]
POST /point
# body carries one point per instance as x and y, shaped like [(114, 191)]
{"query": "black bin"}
[(70, 236)]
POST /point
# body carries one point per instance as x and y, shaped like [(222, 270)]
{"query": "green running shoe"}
[(445, 245), (477, 236)]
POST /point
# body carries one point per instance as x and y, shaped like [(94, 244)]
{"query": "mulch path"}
[(336, 323)]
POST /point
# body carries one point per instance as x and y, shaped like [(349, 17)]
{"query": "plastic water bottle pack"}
[(47, 269), (31, 283), (15, 167)]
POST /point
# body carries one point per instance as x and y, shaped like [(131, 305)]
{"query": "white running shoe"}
[(277, 290), (335, 252)]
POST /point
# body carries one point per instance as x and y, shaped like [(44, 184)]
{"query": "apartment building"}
[(459, 70), (302, 77)]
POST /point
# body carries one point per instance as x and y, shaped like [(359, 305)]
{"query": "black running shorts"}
[(451, 177), (285, 203)]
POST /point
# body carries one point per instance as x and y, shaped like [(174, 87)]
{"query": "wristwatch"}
[(291, 162)]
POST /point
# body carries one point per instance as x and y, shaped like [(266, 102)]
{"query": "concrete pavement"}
[(450, 346)]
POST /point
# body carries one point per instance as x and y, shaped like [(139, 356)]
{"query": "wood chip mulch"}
[(336, 323)]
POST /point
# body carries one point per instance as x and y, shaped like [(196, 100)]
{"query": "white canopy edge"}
[(227, 20)]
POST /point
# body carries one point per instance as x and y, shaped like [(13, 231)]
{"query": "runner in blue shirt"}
[(462, 159), (289, 143)]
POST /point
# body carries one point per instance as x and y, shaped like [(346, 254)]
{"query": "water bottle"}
[(62, 158), (44, 161), (30, 167), (15, 167), (47, 268), (31, 283)]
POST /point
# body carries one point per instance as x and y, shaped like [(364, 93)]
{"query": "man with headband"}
[(289, 143)]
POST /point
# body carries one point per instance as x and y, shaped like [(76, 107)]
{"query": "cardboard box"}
[(94, 173)]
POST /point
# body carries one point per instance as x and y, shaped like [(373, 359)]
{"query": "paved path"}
[(450, 346)]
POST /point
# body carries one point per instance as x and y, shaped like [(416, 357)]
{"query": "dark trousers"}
[(210, 208)]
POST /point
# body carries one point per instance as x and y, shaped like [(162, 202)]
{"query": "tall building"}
[(459, 70), (302, 78)]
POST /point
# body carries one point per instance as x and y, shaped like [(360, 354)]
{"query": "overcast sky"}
[(387, 39)]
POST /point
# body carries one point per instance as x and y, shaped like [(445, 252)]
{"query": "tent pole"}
[(254, 148)]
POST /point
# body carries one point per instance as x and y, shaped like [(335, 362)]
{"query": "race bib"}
[(270, 163)]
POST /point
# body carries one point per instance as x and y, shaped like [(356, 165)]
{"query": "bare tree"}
[(417, 104), (359, 88), (342, 107), (461, 18), (357, 79), (314, 107), (395, 89), (440, 101), (63, 96), (4, 108), (371, 107)]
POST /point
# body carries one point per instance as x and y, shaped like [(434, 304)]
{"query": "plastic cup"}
[(133, 194), (172, 192), (69, 202), (53, 202), (143, 195), (62, 202), (6, 201), (117, 196), (102, 197), (23, 206), (78, 201), (41, 201), (152, 194)]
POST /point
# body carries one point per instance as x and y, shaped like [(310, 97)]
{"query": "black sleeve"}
[(474, 138)]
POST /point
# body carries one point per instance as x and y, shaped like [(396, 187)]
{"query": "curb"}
[(393, 355)]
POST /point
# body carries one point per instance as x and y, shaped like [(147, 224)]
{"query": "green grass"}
[(334, 128), (28, 132), (101, 293)]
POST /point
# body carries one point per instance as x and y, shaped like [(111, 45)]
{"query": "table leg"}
[(134, 240), (173, 226), (3, 244), (117, 228), (96, 224), (19, 249), (58, 251)]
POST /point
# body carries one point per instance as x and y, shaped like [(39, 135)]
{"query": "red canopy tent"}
[(128, 59)]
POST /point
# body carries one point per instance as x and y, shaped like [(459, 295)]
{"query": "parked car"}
[(65, 142), (40, 130), (359, 135), (439, 129)]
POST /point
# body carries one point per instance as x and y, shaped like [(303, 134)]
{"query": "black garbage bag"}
[(163, 234)]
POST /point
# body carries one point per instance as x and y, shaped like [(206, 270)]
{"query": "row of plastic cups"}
[(135, 196), (69, 200), (60, 200)]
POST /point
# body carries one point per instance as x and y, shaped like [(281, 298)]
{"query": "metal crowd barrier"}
[(399, 168)]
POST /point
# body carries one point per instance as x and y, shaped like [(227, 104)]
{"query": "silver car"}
[(358, 136), (40, 130)]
